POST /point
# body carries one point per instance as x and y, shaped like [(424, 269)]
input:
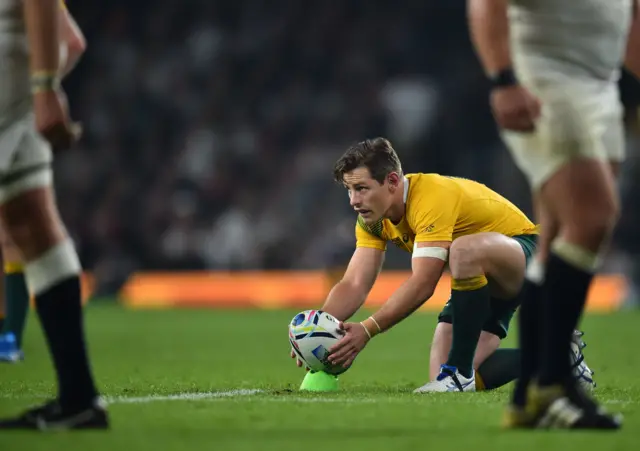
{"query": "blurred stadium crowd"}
[(211, 128)]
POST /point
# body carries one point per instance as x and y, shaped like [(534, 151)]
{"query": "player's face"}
[(367, 196)]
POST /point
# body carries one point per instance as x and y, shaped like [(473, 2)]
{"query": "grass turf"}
[(137, 354)]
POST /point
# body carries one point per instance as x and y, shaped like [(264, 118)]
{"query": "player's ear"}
[(394, 181)]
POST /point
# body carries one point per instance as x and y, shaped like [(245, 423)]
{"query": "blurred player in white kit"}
[(14, 296), (554, 67), (34, 120)]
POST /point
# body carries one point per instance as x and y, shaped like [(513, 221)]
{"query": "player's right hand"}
[(515, 108), (298, 361), (53, 121)]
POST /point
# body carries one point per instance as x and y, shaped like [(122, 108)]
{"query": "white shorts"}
[(25, 158), (579, 119)]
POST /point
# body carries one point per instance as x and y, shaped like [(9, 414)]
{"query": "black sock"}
[(529, 324), (500, 368), (470, 310), (60, 312), (565, 288)]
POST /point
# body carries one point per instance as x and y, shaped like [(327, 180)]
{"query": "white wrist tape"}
[(365, 329), (376, 323)]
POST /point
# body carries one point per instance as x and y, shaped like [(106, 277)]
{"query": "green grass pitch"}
[(222, 356)]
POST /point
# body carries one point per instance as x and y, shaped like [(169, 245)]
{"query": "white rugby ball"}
[(311, 334)]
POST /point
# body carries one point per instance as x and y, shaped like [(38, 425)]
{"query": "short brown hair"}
[(377, 155)]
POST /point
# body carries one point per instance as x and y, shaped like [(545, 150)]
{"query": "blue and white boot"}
[(449, 380), (582, 373)]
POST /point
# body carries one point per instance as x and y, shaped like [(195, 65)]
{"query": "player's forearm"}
[(42, 24), (489, 27), (404, 301), (344, 300)]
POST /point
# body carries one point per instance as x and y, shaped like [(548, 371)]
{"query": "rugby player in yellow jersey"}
[(14, 296), (484, 238)]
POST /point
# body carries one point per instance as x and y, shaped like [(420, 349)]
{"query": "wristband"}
[(376, 323), (504, 78), (366, 330), (372, 329), (43, 81)]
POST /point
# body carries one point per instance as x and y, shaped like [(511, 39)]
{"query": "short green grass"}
[(168, 352)]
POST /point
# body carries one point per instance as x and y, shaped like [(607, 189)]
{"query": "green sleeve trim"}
[(376, 229)]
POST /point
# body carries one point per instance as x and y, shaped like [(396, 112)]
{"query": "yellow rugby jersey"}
[(443, 208)]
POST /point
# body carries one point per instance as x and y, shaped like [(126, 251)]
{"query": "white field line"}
[(204, 396), (285, 398), (182, 397)]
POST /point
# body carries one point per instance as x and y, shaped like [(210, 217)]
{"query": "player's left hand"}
[(52, 119), (345, 351), (515, 108)]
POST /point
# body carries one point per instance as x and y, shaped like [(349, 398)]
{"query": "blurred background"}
[(211, 128)]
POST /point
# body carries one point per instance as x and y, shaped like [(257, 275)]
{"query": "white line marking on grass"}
[(183, 397), (284, 398), (232, 394), (328, 400), (227, 395)]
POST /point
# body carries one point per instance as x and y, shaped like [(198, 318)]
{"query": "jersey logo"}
[(430, 228), (398, 242), (405, 237), (375, 229)]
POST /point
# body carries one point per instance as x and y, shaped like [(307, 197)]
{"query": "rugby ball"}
[(311, 334)]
